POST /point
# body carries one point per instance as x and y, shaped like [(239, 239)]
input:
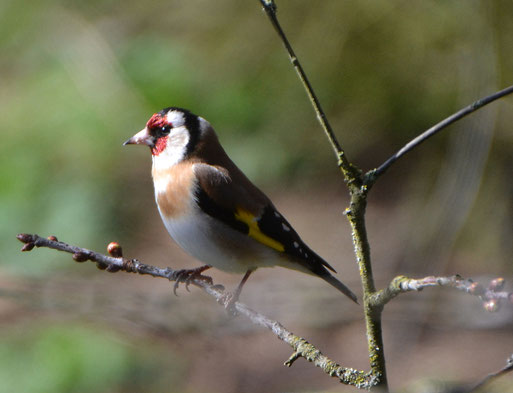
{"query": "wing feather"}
[(246, 209), (251, 213), (215, 196)]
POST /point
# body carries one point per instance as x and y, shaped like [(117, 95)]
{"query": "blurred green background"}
[(79, 78)]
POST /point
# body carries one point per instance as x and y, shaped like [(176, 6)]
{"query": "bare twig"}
[(506, 369), (300, 346), (373, 175), (351, 173), (490, 296)]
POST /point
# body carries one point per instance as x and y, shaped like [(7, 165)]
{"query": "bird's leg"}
[(238, 290), (187, 275), (230, 298)]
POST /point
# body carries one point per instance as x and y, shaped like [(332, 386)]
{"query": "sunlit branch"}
[(115, 263), (492, 296)]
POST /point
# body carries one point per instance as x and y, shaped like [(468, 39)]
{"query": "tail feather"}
[(312, 263), (340, 286)]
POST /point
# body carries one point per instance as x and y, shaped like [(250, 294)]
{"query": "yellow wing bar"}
[(254, 231)]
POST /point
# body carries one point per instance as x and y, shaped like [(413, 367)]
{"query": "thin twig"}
[(506, 369), (490, 296), (373, 175), (301, 347), (351, 173)]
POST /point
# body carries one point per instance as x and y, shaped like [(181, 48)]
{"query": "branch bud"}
[(52, 238), (24, 237), (28, 247), (496, 284), (476, 289), (80, 257), (492, 305), (101, 266), (115, 250)]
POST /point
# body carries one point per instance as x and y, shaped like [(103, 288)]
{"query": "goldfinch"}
[(212, 210)]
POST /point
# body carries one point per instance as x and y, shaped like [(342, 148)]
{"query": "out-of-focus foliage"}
[(73, 359), (78, 78)]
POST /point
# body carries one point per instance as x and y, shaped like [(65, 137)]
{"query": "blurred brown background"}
[(79, 78)]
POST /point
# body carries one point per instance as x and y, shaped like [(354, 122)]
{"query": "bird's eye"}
[(163, 131)]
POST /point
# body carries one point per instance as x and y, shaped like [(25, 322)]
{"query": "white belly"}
[(216, 244)]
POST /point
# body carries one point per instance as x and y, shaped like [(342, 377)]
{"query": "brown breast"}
[(174, 189)]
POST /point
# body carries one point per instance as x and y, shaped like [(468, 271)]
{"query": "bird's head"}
[(171, 134)]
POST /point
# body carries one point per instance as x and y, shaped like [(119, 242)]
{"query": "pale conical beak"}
[(143, 137)]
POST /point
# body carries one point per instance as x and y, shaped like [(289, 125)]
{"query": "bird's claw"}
[(188, 275)]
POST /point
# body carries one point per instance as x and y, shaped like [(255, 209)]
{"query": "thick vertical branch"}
[(356, 213)]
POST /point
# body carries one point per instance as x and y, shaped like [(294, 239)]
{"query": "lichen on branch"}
[(115, 262)]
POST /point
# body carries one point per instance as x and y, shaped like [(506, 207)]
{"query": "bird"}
[(213, 211)]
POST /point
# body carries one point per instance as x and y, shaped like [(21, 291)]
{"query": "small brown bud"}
[(28, 247), (101, 266), (80, 257), (52, 238), (113, 268), (115, 249), (492, 305), (476, 289), (24, 237), (496, 284)]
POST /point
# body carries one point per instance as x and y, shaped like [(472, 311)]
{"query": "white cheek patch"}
[(176, 118), (174, 152)]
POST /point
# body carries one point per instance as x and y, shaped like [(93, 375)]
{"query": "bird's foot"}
[(187, 275)]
